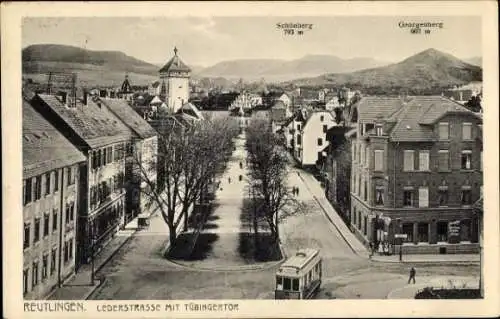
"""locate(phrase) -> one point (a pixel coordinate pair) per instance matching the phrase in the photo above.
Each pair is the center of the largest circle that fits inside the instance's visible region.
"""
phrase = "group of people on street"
(383, 248)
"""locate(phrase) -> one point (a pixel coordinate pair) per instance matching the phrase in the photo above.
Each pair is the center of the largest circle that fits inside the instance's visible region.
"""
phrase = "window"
(27, 191)
(54, 219)
(443, 161)
(443, 197)
(45, 266)
(442, 231)
(444, 131)
(38, 187)
(26, 238)
(299, 139)
(365, 191)
(37, 230)
(423, 197)
(379, 158)
(409, 162)
(423, 161)
(354, 216)
(53, 258)
(25, 281)
(320, 141)
(98, 158)
(47, 183)
(408, 198)
(110, 154)
(466, 131)
(379, 130)
(104, 156)
(481, 161)
(325, 128)
(34, 276)
(70, 253)
(56, 180)
(287, 283)
(66, 252)
(295, 284)
(46, 221)
(321, 118)
(423, 232)
(298, 127)
(365, 225)
(379, 195)
(465, 196)
(408, 230)
(466, 159)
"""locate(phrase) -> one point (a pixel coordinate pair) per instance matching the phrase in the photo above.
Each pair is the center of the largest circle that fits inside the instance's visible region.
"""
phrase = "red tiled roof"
(44, 147)
(131, 118)
(96, 125)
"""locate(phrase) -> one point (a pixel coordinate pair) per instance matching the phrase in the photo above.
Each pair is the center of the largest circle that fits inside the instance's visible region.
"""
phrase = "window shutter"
(423, 197)
(423, 161)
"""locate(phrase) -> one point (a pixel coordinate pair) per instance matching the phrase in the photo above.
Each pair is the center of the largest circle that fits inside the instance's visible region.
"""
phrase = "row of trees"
(267, 178)
(189, 157)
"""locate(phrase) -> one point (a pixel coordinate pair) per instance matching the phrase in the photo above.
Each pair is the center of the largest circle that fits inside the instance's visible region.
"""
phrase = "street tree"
(188, 154)
(268, 177)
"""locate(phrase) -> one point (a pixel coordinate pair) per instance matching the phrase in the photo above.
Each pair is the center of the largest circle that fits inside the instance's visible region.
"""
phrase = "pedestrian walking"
(241, 165)
(371, 250)
(229, 180)
(297, 190)
(412, 275)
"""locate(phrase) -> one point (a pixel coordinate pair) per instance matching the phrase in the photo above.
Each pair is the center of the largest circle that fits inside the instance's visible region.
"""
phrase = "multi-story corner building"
(309, 135)
(416, 171)
(336, 169)
(105, 141)
(51, 173)
(140, 170)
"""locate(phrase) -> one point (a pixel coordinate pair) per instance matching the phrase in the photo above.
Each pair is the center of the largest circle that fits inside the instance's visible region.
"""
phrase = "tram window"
(287, 284)
(295, 284)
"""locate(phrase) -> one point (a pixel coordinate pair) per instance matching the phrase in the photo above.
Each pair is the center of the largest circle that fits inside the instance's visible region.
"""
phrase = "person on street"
(297, 191)
(229, 180)
(371, 250)
(241, 165)
(412, 275)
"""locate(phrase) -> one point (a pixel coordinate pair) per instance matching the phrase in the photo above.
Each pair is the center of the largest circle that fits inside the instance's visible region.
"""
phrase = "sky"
(204, 41)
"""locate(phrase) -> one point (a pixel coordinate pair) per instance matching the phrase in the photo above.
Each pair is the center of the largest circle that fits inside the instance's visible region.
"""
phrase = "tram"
(299, 277)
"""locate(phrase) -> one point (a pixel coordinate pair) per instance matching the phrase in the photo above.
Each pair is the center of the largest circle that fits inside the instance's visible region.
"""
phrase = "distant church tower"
(174, 78)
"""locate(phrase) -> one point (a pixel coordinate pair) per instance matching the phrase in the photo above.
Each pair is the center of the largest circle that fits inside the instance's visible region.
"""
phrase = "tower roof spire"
(175, 50)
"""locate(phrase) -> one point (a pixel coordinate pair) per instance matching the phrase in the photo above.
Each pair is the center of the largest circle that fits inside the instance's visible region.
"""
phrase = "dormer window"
(379, 130)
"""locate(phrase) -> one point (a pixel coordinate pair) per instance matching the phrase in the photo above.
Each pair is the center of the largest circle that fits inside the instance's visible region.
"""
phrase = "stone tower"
(175, 78)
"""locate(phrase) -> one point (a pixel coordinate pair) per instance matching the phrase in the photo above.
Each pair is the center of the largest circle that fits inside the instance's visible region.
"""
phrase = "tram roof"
(298, 262)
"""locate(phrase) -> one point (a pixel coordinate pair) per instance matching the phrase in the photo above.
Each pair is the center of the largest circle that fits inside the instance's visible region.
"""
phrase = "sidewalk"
(417, 258)
(410, 290)
(319, 195)
(79, 287)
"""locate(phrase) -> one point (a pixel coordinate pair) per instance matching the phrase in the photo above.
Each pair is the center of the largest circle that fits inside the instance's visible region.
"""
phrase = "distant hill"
(475, 61)
(426, 72)
(93, 67)
(282, 70)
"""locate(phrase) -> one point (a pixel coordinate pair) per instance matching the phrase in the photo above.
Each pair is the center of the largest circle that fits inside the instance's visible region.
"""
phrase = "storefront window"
(423, 232)
(408, 230)
(442, 231)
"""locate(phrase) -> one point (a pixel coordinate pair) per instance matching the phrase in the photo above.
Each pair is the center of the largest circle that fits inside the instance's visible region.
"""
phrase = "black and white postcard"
(250, 159)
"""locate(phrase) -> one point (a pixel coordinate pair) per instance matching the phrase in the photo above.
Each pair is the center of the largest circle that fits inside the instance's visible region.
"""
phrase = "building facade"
(105, 141)
(51, 173)
(416, 171)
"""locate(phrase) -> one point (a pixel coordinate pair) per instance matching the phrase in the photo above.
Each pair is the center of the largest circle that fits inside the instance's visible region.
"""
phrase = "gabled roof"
(175, 64)
(44, 147)
(156, 100)
(192, 110)
(95, 124)
(371, 108)
(131, 118)
(414, 120)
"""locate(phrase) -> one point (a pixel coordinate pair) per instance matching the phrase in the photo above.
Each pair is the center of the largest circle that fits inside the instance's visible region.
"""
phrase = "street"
(139, 270)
